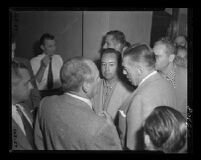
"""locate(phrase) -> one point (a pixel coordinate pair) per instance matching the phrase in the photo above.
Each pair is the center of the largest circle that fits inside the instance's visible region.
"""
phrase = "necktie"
(50, 76)
(27, 126)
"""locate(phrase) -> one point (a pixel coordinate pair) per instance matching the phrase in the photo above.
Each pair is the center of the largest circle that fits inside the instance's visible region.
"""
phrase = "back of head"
(118, 36)
(46, 36)
(170, 48)
(167, 129)
(74, 72)
(141, 53)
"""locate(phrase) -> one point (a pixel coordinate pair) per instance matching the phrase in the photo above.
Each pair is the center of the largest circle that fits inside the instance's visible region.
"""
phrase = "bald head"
(76, 71)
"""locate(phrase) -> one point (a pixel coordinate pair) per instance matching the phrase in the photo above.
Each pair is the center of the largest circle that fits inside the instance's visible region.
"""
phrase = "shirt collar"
(149, 75)
(87, 101)
(106, 84)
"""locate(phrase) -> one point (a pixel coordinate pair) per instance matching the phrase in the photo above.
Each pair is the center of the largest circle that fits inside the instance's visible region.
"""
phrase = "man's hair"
(118, 36)
(167, 42)
(46, 36)
(141, 53)
(167, 129)
(74, 72)
(111, 50)
(16, 75)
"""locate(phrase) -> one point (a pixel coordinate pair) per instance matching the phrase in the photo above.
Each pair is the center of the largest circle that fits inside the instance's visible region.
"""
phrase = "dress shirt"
(17, 117)
(87, 101)
(57, 63)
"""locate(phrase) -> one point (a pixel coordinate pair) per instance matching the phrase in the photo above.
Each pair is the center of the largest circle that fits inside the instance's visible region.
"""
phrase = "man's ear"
(171, 58)
(85, 87)
(42, 47)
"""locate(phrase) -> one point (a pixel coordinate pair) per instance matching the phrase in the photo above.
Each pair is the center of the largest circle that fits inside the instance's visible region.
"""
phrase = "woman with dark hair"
(165, 129)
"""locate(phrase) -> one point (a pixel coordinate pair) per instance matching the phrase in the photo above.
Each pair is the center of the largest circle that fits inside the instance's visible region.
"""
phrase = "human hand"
(45, 61)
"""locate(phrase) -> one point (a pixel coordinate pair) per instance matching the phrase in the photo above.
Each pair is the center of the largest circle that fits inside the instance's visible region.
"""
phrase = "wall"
(136, 26)
(67, 28)
(65, 25)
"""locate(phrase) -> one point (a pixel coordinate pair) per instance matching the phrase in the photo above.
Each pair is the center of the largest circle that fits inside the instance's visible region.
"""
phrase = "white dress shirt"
(87, 101)
(17, 117)
(57, 63)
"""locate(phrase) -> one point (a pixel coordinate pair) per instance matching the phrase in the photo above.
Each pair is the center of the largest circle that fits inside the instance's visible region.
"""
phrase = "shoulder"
(37, 58)
(181, 71)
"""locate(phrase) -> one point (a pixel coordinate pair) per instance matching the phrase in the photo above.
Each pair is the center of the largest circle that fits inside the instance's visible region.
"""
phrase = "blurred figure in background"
(181, 41)
(181, 56)
(164, 51)
(33, 101)
(46, 67)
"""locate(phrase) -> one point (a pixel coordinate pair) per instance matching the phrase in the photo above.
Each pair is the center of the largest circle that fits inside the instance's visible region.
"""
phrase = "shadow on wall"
(36, 48)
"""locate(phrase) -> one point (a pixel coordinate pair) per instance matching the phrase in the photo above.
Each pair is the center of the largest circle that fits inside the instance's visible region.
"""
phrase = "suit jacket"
(66, 123)
(34, 100)
(118, 96)
(181, 89)
(154, 91)
(19, 139)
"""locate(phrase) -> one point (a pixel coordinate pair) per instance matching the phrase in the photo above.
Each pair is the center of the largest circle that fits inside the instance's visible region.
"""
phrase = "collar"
(106, 84)
(87, 101)
(149, 75)
(170, 76)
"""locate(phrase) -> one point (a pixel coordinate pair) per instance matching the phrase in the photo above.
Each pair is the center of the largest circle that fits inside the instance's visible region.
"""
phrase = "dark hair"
(140, 53)
(46, 36)
(118, 36)
(15, 70)
(111, 50)
(74, 72)
(170, 48)
(167, 129)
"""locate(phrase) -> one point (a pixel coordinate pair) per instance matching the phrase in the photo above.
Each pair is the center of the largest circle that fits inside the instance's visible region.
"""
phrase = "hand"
(45, 61)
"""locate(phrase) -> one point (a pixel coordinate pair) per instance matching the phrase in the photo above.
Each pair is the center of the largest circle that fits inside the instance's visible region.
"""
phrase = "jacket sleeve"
(134, 122)
(38, 138)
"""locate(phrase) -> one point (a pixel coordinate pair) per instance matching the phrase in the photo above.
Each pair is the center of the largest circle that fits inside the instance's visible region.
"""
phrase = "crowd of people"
(138, 104)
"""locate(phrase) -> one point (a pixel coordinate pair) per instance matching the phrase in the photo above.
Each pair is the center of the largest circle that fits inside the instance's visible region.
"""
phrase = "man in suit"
(112, 91)
(33, 101)
(152, 91)
(22, 121)
(176, 75)
(67, 122)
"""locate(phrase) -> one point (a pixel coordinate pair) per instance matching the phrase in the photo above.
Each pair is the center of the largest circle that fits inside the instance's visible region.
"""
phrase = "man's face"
(162, 59)
(109, 66)
(131, 71)
(21, 90)
(49, 46)
(110, 42)
(93, 85)
(180, 41)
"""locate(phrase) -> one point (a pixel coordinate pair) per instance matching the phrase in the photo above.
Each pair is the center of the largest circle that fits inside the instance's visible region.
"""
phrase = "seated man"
(46, 66)
(67, 122)
(22, 121)
(165, 129)
(111, 92)
(33, 101)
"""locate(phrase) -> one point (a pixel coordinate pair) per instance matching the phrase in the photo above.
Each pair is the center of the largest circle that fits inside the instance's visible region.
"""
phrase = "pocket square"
(122, 113)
